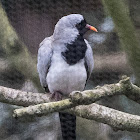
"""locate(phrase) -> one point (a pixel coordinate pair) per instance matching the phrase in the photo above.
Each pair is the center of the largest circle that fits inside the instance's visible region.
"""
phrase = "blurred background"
(25, 23)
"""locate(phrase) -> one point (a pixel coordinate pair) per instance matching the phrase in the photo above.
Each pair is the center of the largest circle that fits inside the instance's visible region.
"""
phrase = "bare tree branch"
(21, 98)
(117, 119)
(77, 98)
(18, 97)
(123, 87)
(114, 118)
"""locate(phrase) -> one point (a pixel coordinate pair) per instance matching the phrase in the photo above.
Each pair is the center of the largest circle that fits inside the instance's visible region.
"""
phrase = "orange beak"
(91, 28)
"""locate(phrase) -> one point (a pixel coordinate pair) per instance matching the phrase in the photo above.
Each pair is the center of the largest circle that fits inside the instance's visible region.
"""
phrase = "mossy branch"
(114, 118)
(83, 98)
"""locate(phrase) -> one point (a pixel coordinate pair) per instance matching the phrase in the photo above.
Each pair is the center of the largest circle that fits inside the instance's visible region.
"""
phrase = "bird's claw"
(57, 96)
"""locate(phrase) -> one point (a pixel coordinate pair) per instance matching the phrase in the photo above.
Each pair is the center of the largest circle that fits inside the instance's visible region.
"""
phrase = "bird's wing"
(44, 59)
(89, 61)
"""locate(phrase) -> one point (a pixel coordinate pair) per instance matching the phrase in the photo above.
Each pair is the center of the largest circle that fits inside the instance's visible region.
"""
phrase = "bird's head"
(68, 27)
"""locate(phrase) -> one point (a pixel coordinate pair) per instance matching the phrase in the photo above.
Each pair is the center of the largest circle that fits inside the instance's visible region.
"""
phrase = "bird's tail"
(68, 126)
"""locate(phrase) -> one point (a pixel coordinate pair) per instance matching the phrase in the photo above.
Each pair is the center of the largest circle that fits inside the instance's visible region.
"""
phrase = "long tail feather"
(68, 126)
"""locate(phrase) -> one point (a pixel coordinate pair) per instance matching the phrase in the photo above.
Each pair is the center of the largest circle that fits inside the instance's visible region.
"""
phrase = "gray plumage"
(56, 73)
(53, 69)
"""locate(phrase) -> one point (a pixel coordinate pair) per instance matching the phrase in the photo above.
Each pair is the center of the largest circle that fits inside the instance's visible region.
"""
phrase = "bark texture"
(116, 119)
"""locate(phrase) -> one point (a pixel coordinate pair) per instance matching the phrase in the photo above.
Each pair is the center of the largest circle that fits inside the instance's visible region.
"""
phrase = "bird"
(65, 63)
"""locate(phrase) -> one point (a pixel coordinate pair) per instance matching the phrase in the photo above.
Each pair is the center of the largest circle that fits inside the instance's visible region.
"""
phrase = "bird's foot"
(46, 89)
(57, 96)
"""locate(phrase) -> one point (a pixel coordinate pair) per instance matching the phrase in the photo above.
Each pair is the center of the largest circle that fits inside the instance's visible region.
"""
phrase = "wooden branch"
(123, 87)
(22, 98)
(43, 109)
(82, 98)
(114, 118)
(17, 97)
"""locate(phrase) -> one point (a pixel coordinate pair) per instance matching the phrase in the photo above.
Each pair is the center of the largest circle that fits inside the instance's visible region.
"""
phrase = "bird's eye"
(81, 25)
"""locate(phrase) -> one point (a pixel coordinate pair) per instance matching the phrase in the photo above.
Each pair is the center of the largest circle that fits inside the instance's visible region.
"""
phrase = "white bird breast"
(65, 78)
